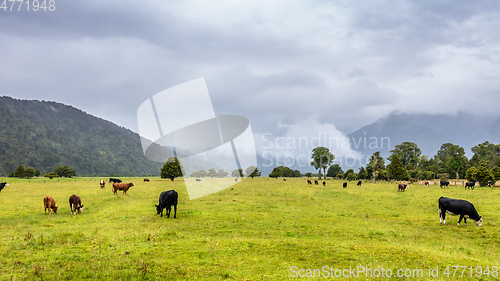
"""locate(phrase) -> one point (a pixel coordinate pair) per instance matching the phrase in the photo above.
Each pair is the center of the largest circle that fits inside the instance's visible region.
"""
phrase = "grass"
(261, 229)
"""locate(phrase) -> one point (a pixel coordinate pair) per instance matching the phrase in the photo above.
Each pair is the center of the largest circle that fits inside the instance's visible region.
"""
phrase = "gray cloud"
(275, 63)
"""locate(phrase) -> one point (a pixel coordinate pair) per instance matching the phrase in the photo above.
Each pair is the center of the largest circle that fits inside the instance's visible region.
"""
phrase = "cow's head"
(158, 209)
(80, 209)
(55, 209)
(479, 222)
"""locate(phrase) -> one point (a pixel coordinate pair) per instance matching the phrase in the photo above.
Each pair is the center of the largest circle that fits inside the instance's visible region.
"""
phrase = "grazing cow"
(235, 179)
(102, 183)
(324, 183)
(198, 179)
(121, 186)
(490, 183)
(458, 207)
(49, 203)
(113, 180)
(444, 183)
(470, 185)
(309, 182)
(344, 185)
(402, 187)
(284, 179)
(426, 183)
(146, 180)
(75, 203)
(359, 183)
(166, 200)
(3, 184)
(316, 182)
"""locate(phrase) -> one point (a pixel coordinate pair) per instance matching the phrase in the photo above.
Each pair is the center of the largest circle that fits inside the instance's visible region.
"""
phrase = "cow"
(426, 183)
(444, 183)
(470, 185)
(146, 180)
(344, 185)
(324, 183)
(49, 203)
(121, 186)
(166, 200)
(198, 179)
(316, 182)
(402, 187)
(359, 183)
(284, 179)
(75, 204)
(458, 207)
(490, 183)
(102, 183)
(113, 180)
(3, 184)
(309, 182)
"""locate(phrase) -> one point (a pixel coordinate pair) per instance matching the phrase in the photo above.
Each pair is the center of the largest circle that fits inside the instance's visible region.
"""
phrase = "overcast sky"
(339, 65)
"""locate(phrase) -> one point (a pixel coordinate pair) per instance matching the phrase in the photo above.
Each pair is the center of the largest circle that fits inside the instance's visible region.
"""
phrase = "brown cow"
(402, 187)
(102, 183)
(75, 203)
(121, 186)
(309, 182)
(49, 203)
(426, 183)
(146, 180)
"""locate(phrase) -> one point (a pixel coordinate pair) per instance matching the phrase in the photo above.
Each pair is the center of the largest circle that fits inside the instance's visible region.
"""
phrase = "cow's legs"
(168, 211)
(460, 219)
(442, 216)
(175, 211)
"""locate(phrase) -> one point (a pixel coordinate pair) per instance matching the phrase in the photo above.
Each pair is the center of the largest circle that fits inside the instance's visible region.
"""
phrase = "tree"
(362, 173)
(396, 170)
(322, 159)
(277, 172)
(308, 174)
(483, 175)
(252, 172)
(486, 151)
(350, 175)
(451, 159)
(470, 174)
(51, 175)
(171, 169)
(222, 174)
(408, 153)
(65, 171)
(199, 174)
(212, 173)
(20, 172)
(237, 173)
(376, 164)
(334, 171)
(496, 172)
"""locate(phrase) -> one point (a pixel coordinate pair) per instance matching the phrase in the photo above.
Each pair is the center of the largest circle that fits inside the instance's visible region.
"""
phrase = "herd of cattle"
(166, 200)
(169, 198)
(454, 207)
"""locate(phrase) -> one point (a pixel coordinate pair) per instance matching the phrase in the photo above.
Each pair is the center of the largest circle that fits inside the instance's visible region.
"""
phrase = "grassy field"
(261, 229)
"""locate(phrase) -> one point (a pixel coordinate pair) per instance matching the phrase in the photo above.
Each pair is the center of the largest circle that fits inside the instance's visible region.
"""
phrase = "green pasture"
(259, 229)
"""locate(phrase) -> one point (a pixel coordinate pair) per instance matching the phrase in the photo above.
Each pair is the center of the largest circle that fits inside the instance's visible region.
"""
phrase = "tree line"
(406, 162)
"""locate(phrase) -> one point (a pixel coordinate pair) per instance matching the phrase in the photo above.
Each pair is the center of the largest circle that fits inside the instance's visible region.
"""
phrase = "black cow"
(3, 184)
(316, 182)
(113, 180)
(198, 179)
(402, 187)
(166, 200)
(359, 183)
(344, 185)
(444, 183)
(490, 184)
(470, 185)
(324, 183)
(458, 207)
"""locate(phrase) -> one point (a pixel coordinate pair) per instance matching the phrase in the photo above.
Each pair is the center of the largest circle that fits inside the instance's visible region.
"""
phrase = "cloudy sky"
(288, 66)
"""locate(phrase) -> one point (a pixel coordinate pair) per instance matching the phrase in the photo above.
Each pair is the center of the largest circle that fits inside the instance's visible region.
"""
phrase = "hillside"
(429, 132)
(45, 135)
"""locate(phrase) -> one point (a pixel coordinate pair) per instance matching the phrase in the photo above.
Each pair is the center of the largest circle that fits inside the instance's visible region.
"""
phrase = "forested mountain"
(44, 135)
